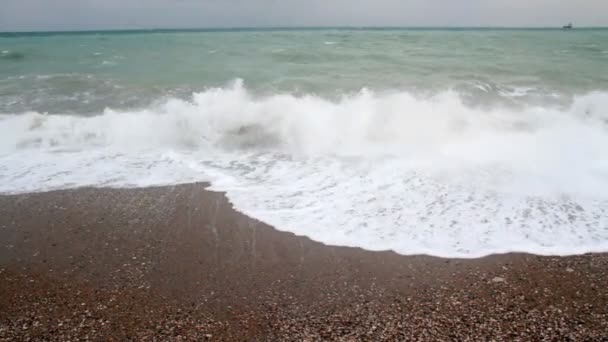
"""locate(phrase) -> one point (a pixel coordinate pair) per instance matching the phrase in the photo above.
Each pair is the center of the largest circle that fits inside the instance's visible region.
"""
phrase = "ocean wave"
(380, 171)
(388, 123)
(12, 55)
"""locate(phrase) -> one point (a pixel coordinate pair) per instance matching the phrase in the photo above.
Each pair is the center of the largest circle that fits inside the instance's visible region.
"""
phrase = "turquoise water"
(457, 143)
(80, 73)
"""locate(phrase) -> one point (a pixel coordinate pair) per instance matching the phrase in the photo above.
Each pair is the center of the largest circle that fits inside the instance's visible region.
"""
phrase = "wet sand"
(178, 263)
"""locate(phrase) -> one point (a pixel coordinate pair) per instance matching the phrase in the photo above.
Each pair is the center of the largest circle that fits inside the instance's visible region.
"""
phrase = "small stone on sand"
(498, 280)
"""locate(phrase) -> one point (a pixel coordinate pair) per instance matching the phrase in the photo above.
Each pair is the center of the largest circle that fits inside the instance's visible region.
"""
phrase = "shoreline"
(179, 263)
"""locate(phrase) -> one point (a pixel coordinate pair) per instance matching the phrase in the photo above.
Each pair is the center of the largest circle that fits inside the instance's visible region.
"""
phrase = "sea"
(447, 142)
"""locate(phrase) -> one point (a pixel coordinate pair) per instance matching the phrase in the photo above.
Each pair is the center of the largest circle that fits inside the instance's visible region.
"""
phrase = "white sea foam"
(378, 171)
(517, 92)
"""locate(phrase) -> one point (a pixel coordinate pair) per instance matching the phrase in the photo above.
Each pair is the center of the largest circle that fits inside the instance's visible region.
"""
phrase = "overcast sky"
(28, 15)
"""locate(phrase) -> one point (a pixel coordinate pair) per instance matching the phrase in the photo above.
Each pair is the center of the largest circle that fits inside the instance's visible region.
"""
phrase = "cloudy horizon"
(37, 15)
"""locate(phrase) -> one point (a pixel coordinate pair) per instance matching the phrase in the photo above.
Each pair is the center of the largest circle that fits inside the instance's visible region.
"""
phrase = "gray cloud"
(16, 15)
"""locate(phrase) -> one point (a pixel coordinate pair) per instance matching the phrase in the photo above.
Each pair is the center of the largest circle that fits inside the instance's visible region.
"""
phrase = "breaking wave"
(381, 171)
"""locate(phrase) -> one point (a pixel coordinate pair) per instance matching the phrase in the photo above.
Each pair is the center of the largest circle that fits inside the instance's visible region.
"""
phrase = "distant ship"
(567, 27)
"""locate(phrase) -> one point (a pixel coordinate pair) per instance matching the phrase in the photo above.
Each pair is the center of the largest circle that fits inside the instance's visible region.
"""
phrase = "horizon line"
(292, 28)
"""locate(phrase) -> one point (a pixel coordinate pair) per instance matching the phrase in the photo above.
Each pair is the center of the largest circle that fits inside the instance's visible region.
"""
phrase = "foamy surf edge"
(377, 171)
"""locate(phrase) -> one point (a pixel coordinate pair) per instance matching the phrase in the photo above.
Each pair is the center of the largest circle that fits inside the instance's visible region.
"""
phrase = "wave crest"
(374, 170)
(439, 133)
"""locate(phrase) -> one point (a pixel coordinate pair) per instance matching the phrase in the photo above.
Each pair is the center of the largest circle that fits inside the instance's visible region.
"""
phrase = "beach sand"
(178, 263)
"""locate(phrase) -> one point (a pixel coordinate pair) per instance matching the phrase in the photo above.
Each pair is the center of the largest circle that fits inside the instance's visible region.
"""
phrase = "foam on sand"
(378, 171)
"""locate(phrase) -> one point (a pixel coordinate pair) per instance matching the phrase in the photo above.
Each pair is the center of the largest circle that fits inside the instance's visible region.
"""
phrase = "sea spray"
(378, 170)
